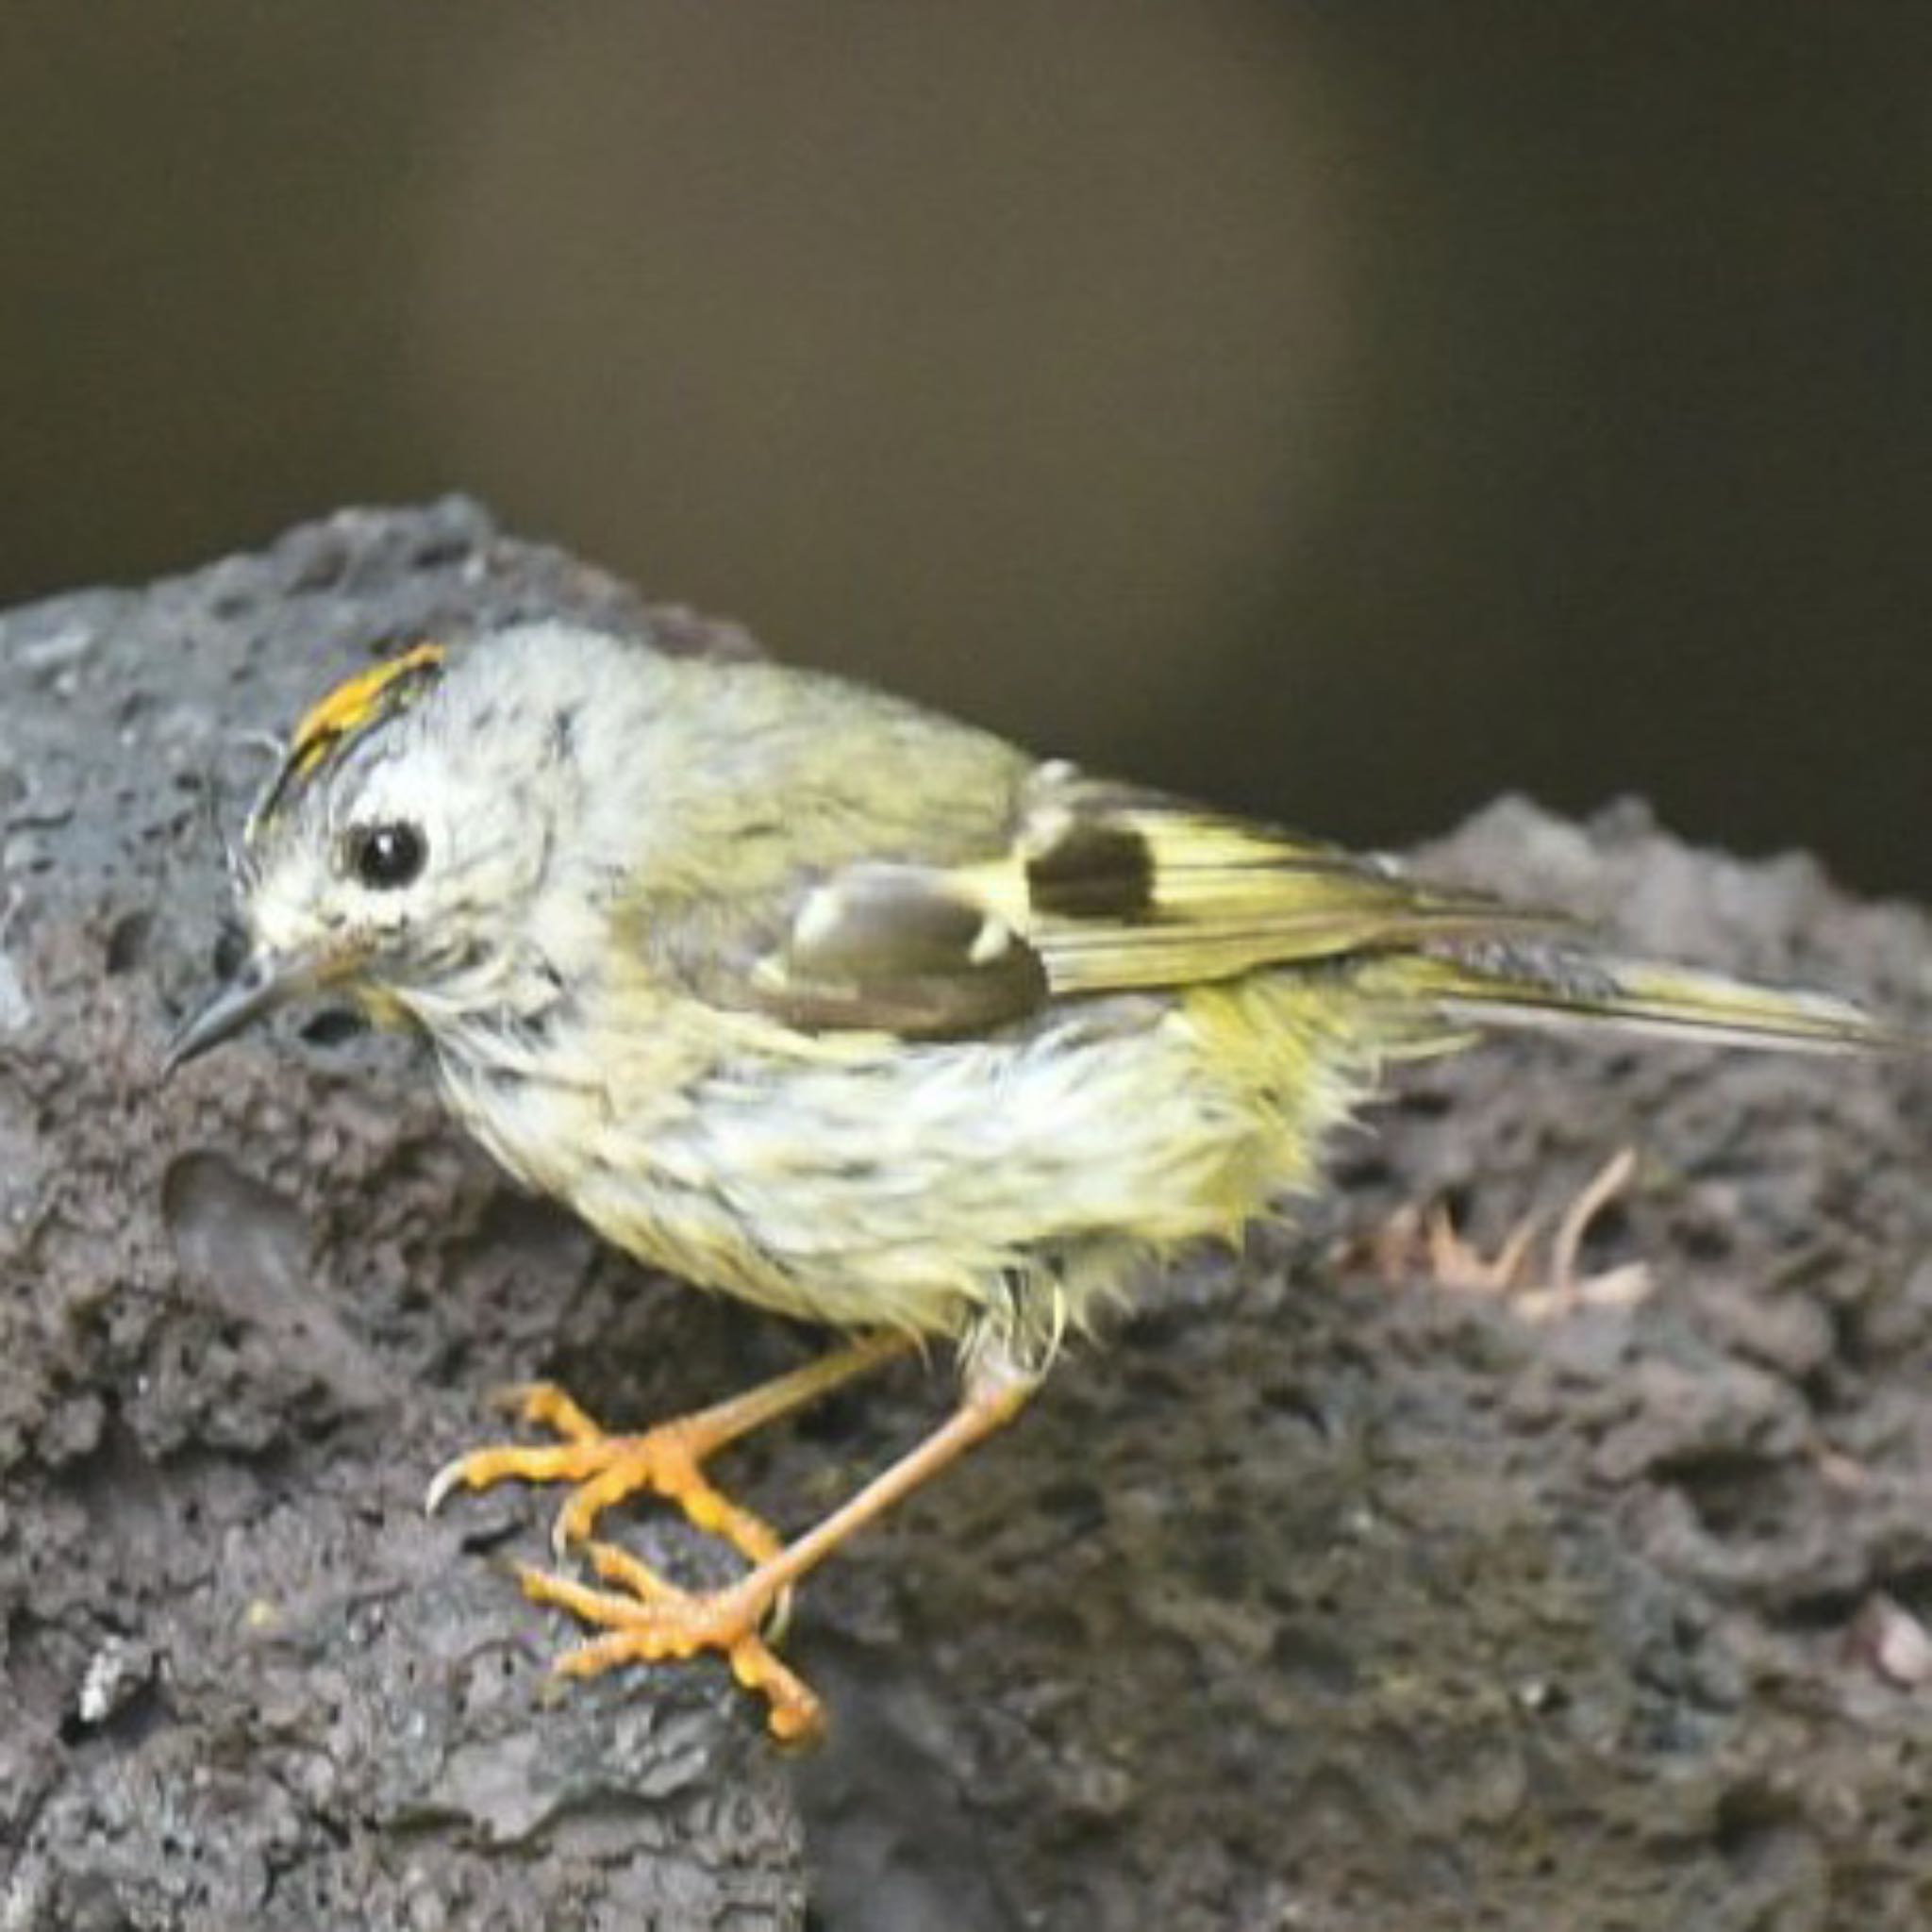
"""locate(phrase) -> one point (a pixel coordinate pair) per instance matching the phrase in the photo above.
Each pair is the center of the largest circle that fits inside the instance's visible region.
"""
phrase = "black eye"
(385, 856)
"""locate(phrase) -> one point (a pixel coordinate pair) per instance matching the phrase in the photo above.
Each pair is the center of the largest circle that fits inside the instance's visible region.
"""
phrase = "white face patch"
(458, 776)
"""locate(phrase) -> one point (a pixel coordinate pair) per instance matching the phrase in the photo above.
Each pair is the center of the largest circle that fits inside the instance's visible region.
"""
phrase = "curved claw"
(542, 1405)
(450, 1476)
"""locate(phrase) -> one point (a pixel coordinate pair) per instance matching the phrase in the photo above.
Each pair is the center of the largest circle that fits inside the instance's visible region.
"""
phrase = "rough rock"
(1321, 1596)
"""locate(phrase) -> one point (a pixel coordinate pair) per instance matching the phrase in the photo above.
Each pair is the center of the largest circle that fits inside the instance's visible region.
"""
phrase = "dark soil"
(1315, 1599)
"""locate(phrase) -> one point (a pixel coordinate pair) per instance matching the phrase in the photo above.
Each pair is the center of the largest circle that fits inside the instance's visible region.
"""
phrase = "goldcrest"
(810, 995)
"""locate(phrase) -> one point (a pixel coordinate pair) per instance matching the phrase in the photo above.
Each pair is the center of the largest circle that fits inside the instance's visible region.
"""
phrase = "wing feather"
(1101, 889)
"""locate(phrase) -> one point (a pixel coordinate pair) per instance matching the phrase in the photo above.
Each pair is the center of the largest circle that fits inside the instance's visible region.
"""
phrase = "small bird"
(807, 994)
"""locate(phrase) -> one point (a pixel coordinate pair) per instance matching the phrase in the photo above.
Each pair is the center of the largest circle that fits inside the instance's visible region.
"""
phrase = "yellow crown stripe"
(357, 703)
(352, 708)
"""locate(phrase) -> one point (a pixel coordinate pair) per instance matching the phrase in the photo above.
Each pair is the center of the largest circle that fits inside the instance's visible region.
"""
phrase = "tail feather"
(1558, 988)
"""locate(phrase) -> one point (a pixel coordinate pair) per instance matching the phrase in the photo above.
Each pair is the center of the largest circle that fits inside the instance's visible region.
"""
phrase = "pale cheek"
(307, 913)
(283, 921)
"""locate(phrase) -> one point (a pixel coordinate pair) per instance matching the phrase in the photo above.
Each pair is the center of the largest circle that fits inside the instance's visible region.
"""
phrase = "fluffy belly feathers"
(942, 1185)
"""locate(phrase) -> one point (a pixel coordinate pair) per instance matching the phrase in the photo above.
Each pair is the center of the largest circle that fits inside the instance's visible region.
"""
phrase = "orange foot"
(665, 1461)
(655, 1619)
(647, 1620)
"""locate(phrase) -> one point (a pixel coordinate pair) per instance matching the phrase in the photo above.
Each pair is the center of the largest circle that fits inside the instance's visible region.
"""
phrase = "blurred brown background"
(1345, 410)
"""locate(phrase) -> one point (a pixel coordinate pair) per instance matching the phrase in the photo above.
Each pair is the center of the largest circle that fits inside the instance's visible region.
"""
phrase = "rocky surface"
(1323, 1596)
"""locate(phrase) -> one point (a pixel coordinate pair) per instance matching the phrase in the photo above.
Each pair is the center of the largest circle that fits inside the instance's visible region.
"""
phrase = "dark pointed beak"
(263, 983)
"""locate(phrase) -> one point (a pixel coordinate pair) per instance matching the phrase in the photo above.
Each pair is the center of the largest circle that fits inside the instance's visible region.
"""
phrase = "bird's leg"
(667, 1460)
(645, 1618)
